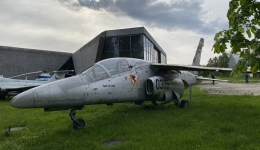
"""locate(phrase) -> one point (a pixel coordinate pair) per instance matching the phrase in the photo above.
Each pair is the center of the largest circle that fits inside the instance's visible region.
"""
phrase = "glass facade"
(137, 46)
(124, 46)
(133, 46)
(111, 49)
(163, 59)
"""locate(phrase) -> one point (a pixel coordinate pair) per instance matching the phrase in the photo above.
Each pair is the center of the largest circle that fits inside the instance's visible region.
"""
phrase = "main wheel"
(184, 104)
(79, 124)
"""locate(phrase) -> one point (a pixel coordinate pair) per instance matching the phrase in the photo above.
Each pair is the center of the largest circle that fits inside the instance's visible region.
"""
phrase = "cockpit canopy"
(109, 67)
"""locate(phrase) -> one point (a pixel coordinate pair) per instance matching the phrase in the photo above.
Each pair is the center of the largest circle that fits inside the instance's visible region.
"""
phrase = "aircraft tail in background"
(196, 59)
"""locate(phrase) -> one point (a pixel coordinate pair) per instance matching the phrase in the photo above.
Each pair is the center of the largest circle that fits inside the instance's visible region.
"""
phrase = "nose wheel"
(78, 123)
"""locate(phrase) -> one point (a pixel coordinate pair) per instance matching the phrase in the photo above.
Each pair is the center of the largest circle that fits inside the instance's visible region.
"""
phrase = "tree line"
(221, 61)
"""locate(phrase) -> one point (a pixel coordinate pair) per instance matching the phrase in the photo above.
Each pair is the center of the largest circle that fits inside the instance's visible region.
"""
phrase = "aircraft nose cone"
(23, 100)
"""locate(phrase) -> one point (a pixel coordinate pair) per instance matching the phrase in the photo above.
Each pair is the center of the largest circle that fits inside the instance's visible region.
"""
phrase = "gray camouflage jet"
(9, 86)
(114, 80)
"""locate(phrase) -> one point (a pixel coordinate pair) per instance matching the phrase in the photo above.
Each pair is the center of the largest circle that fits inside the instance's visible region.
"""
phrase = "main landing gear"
(155, 105)
(78, 123)
(184, 104)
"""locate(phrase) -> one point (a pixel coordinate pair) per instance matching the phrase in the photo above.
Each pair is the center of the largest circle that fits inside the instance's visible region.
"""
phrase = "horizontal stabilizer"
(210, 79)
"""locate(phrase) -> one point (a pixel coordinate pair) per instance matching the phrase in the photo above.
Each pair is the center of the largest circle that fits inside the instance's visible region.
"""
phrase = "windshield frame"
(87, 70)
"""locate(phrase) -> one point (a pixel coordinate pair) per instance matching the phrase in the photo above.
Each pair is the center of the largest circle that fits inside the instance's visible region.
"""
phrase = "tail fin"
(57, 75)
(196, 59)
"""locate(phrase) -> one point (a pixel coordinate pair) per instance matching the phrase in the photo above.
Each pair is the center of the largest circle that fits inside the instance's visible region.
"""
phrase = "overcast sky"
(66, 25)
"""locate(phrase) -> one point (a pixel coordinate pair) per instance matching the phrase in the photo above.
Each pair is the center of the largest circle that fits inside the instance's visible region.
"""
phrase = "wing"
(210, 79)
(20, 89)
(14, 90)
(188, 67)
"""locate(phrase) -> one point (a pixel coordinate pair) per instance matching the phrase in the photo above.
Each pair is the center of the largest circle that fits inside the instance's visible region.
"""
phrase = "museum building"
(130, 42)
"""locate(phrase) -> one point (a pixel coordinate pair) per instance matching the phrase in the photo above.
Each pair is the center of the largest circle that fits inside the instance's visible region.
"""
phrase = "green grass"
(211, 122)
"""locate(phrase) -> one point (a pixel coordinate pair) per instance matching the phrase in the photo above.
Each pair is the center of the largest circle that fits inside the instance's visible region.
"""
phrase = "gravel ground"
(225, 88)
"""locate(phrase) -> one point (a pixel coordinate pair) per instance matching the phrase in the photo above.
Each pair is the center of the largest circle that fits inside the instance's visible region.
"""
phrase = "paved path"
(225, 88)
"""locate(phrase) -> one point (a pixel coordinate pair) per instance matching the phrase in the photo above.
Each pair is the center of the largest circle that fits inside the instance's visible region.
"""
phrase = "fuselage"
(109, 81)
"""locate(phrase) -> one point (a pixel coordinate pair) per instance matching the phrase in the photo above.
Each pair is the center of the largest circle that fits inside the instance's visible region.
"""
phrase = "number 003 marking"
(162, 84)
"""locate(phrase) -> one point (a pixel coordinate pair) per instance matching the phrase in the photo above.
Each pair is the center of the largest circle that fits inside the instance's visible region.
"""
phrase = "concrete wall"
(15, 61)
(86, 56)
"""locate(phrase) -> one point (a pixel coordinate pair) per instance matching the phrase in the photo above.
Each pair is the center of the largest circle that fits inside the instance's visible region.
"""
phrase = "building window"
(155, 56)
(124, 53)
(137, 46)
(0, 66)
(134, 46)
(124, 46)
(163, 59)
(124, 43)
(111, 48)
(148, 49)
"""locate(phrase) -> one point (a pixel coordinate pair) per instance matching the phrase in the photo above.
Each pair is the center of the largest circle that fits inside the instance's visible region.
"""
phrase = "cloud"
(169, 15)
(67, 25)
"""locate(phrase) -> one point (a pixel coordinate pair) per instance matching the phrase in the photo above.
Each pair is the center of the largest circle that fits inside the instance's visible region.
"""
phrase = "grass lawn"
(211, 122)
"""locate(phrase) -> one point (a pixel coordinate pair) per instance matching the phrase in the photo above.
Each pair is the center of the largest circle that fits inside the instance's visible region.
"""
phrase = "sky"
(67, 25)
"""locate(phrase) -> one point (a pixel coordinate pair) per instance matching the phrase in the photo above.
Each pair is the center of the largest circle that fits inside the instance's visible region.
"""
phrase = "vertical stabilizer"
(196, 59)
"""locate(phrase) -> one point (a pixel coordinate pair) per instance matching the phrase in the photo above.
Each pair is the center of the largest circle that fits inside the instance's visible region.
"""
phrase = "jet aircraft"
(10, 86)
(115, 80)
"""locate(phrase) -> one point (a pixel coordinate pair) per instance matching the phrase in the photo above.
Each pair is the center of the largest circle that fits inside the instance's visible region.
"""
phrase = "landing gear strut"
(78, 123)
(155, 105)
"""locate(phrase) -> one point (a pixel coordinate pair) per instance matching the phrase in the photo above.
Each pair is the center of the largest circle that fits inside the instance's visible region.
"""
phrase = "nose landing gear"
(78, 123)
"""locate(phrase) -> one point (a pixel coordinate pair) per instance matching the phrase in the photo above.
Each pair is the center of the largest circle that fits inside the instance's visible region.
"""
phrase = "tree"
(223, 60)
(243, 34)
(210, 63)
(220, 61)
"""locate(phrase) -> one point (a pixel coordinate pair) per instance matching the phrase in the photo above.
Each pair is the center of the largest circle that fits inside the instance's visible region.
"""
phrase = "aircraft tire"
(184, 104)
(80, 124)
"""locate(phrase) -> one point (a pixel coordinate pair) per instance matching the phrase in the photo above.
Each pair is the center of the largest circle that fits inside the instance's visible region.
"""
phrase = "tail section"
(57, 75)
(196, 59)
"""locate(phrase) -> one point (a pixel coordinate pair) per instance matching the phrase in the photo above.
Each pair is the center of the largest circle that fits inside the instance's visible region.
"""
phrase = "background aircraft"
(43, 77)
(10, 86)
(197, 56)
(114, 80)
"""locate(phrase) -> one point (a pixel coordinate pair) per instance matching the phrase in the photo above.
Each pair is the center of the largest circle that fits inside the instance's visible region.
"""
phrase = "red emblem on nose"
(134, 79)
